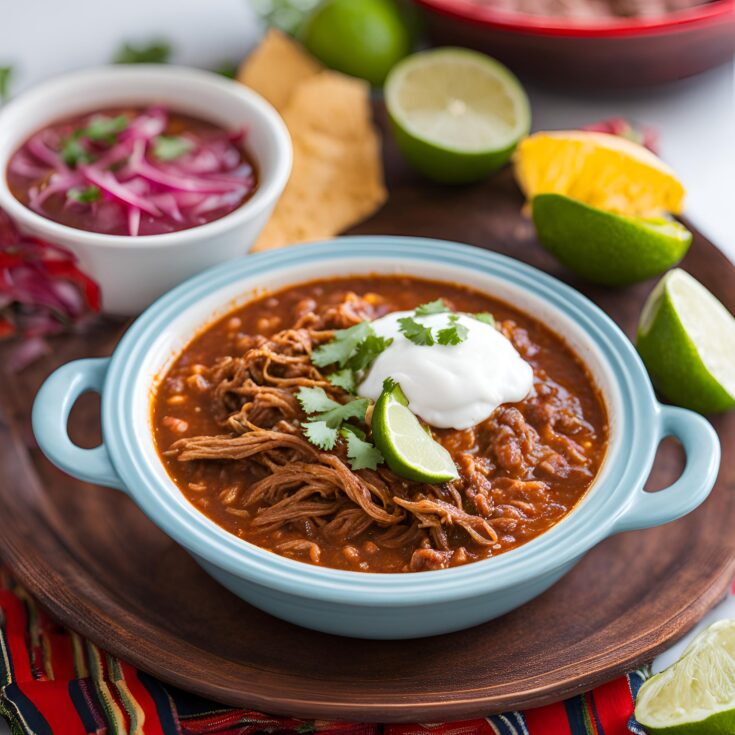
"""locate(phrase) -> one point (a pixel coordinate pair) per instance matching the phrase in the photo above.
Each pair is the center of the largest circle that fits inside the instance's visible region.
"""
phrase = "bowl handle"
(702, 449)
(51, 410)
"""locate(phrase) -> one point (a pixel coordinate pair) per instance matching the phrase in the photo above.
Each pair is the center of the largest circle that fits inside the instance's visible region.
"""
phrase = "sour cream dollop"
(449, 386)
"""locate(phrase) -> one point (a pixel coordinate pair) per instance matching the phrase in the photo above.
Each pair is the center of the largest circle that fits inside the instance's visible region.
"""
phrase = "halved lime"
(408, 448)
(457, 114)
(686, 338)
(696, 695)
(604, 247)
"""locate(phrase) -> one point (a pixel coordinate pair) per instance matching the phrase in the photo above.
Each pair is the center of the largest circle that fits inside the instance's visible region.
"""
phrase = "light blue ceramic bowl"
(378, 605)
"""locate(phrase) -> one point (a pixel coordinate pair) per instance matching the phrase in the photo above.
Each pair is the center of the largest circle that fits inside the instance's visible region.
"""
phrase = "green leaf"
(6, 72)
(104, 129)
(368, 350)
(227, 69)
(453, 334)
(73, 151)
(486, 317)
(171, 147)
(342, 347)
(84, 194)
(315, 400)
(319, 434)
(156, 52)
(353, 410)
(361, 454)
(433, 307)
(415, 332)
(344, 379)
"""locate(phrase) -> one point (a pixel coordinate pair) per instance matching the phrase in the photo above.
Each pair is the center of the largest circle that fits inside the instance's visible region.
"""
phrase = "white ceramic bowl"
(133, 271)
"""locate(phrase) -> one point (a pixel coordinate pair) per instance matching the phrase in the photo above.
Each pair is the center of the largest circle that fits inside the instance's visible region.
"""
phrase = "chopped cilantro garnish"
(342, 347)
(362, 454)
(6, 72)
(104, 129)
(319, 434)
(367, 351)
(327, 422)
(433, 307)
(454, 333)
(84, 194)
(344, 379)
(227, 69)
(415, 332)
(157, 52)
(486, 317)
(171, 147)
(73, 151)
(316, 401)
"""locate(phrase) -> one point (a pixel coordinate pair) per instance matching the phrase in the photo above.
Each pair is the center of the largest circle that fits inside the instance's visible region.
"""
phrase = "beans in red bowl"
(133, 171)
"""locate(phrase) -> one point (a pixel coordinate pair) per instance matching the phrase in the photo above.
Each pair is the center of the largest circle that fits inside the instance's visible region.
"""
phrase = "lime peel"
(409, 450)
(686, 339)
(696, 695)
(604, 247)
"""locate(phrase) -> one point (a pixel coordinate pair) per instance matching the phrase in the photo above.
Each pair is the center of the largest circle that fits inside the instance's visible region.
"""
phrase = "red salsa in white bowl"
(133, 171)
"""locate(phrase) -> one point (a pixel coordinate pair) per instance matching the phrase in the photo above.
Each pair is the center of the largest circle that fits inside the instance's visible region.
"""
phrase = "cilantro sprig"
(84, 194)
(171, 147)
(328, 420)
(453, 334)
(415, 332)
(100, 129)
(352, 350)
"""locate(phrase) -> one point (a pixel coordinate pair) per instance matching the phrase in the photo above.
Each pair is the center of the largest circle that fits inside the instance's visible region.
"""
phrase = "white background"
(696, 118)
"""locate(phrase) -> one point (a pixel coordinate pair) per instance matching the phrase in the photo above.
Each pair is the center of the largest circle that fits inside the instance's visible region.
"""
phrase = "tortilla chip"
(337, 177)
(276, 68)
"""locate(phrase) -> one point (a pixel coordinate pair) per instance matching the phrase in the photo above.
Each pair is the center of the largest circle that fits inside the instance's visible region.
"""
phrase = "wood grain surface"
(98, 564)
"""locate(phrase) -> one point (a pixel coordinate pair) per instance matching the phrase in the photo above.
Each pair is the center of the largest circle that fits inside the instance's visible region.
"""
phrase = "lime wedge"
(408, 448)
(695, 696)
(607, 248)
(457, 114)
(686, 338)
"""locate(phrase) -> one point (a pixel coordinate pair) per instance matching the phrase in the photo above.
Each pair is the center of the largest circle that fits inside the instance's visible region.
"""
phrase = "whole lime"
(363, 38)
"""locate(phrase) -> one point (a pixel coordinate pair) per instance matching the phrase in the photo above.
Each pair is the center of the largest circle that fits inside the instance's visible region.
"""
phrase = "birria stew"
(133, 171)
(267, 423)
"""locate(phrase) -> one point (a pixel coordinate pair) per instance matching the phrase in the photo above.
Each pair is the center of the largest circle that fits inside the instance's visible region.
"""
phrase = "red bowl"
(615, 52)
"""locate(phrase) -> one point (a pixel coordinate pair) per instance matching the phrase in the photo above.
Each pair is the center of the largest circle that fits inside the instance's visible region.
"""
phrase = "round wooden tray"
(98, 564)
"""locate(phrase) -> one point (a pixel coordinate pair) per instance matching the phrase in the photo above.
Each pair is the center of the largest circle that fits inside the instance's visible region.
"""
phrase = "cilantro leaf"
(104, 129)
(6, 72)
(73, 151)
(415, 332)
(361, 454)
(368, 350)
(315, 400)
(455, 333)
(486, 317)
(433, 307)
(84, 194)
(319, 434)
(227, 69)
(171, 147)
(343, 346)
(353, 410)
(157, 52)
(344, 379)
